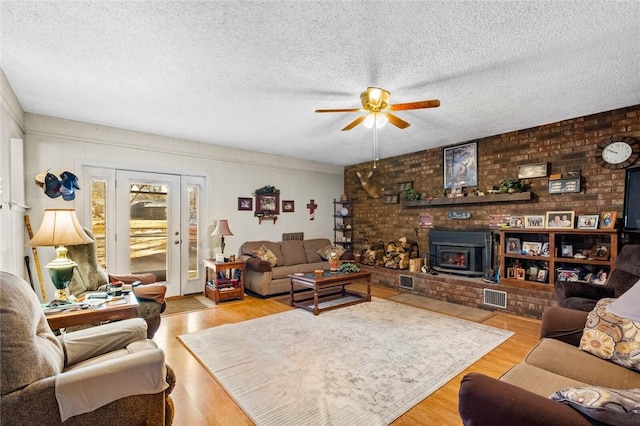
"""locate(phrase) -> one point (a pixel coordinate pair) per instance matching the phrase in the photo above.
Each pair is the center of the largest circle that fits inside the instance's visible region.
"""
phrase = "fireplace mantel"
(490, 198)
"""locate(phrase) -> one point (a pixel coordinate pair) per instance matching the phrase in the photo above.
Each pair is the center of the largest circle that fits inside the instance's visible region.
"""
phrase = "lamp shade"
(222, 228)
(59, 227)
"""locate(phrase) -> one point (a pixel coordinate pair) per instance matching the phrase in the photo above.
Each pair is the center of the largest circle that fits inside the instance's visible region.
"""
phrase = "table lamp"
(222, 229)
(60, 227)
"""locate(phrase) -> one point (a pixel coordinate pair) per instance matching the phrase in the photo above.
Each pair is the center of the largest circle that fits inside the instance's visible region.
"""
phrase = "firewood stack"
(398, 255)
(373, 255)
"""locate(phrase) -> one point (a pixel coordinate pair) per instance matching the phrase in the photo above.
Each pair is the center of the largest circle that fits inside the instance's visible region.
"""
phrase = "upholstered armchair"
(583, 297)
(108, 374)
(90, 276)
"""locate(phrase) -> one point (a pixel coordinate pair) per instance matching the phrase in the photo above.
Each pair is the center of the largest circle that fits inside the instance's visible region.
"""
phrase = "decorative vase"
(334, 260)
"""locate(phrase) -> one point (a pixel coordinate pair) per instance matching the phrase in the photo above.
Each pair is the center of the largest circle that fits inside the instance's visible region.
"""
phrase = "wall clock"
(617, 152)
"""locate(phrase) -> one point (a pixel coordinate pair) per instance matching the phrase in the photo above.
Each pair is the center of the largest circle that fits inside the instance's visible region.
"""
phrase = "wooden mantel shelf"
(490, 198)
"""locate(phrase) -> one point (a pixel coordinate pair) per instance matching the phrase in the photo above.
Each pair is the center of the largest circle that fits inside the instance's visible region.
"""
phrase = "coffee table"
(109, 311)
(328, 287)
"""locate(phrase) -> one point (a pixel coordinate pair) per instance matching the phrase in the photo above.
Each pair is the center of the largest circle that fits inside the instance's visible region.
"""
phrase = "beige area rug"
(364, 364)
(453, 309)
(184, 304)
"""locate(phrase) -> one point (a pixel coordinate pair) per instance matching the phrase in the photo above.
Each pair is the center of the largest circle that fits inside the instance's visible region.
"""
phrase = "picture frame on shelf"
(601, 252)
(600, 276)
(461, 165)
(288, 206)
(245, 204)
(513, 245)
(560, 219)
(516, 222)
(588, 221)
(520, 274)
(544, 251)
(566, 250)
(511, 273)
(267, 204)
(534, 221)
(532, 248)
(543, 275)
(608, 220)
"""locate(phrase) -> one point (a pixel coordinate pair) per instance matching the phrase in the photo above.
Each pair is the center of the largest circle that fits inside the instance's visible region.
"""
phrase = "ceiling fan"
(375, 102)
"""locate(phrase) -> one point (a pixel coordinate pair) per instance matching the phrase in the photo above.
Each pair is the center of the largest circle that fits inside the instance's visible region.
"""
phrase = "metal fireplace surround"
(463, 252)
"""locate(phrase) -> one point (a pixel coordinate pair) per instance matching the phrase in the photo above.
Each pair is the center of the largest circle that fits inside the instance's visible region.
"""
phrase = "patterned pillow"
(267, 255)
(325, 252)
(610, 406)
(611, 337)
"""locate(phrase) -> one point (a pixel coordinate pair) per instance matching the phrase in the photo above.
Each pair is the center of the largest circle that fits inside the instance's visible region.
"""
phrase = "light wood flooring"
(200, 400)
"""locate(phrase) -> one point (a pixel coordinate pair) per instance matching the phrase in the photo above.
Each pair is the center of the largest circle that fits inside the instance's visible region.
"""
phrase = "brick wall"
(566, 145)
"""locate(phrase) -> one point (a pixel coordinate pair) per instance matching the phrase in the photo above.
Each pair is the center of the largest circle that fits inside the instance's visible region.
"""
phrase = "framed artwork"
(245, 203)
(600, 252)
(267, 204)
(567, 250)
(516, 222)
(560, 219)
(511, 272)
(544, 251)
(526, 171)
(520, 272)
(542, 276)
(461, 165)
(561, 186)
(532, 248)
(288, 206)
(608, 220)
(588, 221)
(513, 245)
(534, 221)
(599, 277)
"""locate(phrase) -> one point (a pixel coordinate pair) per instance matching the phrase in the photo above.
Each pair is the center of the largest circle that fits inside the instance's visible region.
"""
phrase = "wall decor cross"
(312, 206)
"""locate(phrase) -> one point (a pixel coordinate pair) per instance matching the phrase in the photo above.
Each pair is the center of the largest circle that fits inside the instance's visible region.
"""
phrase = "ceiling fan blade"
(396, 121)
(339, 110)
(354, 123)
(415, 105)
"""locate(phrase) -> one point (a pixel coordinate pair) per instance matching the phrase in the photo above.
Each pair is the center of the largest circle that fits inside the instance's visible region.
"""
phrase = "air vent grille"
(495, 298)
(405, 281)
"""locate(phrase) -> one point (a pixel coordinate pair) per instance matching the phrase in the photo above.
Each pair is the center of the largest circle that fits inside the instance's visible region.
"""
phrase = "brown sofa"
(521, 395)
(292, 257)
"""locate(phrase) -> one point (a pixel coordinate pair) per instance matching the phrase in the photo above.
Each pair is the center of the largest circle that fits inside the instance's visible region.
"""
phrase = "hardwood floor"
(200, 400)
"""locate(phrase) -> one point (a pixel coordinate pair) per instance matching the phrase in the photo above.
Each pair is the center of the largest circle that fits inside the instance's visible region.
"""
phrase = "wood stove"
(463, 252)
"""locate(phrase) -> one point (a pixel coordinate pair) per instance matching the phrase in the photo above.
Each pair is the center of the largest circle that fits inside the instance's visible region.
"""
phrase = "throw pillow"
(325, 252)
(609, 406)
(267, 255)
(611, 337)
(626, 306)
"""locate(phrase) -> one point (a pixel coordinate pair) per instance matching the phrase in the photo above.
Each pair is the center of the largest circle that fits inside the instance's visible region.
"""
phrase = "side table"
(226, 282)
(110, 311)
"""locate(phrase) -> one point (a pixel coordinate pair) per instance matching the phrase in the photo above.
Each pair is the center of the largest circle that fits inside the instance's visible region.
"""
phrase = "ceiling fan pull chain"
(375, 140)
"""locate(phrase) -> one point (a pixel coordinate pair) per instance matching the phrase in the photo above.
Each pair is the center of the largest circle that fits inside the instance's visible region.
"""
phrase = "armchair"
(583, 297)
(90, 276)
(109, 374)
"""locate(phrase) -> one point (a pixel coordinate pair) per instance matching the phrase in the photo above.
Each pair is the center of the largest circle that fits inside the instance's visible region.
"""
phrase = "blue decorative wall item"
(55, 187)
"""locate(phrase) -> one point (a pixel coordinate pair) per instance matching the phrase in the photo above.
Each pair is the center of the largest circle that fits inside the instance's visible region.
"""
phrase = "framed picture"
(599, 277)
(567, 250)
(600, 252)
(560, 219)
(461, 165)
(516, 222)
(561, 186)
(534, 221)
(608, 220)
(267, 204)
(513, 245)
(526, 171)
(511, 272)
(520, 273)
(542, 276)
(532, 248)
(544, 251)
(245, 203)
(288, 206)
(588, 221)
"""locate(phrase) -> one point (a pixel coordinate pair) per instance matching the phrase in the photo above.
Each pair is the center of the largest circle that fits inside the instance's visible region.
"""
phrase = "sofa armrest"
(147, 278)
(563, 324)
(91, 342)
(257, 265)
(483, 400)
(155, 292)
(567, 289)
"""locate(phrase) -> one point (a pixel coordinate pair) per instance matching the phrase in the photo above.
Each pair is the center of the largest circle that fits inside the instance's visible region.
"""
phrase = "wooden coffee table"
(109, 311)
(328, 287)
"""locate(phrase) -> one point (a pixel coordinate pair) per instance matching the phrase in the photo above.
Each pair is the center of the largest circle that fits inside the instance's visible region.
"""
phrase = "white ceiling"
(250, 74)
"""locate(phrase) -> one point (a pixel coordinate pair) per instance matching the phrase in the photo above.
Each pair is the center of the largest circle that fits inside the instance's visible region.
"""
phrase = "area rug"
(184, 304)
(364, 364)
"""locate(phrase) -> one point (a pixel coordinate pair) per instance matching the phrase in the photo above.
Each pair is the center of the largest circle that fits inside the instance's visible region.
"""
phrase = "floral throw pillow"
(267, 255)
(609, 406)
(611, 337)
(326, 251)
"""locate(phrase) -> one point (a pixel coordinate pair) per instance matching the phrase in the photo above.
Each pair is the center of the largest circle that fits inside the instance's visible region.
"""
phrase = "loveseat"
(522, 395)
(291, 257)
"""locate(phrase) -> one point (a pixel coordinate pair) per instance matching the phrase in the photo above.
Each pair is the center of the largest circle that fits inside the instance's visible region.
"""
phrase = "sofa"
(522, 395)
(269, 278)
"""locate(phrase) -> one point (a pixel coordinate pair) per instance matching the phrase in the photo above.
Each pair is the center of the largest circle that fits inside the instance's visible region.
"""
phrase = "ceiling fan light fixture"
(375, 99)
(375, 117)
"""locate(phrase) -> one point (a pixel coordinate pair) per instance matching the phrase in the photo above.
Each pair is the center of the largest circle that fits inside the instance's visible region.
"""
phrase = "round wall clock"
(617, 152)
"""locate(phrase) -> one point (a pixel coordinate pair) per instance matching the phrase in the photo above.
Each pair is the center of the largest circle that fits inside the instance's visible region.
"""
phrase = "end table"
(227, 281)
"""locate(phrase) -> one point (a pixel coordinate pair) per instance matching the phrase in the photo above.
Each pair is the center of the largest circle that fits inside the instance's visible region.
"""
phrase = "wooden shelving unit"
(578, 239)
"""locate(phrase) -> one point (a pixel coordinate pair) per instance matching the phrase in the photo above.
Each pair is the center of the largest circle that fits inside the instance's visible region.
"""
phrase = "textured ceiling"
(250, 74)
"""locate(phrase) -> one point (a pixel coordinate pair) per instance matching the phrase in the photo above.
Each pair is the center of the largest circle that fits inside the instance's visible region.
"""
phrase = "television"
(631, 212)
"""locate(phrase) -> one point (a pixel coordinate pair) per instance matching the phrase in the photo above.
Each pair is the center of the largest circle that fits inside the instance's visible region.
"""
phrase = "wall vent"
(495, 298)
(405, 281)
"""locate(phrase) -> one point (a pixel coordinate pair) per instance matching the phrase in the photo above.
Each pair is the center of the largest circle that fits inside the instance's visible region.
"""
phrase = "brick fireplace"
(461, 252)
